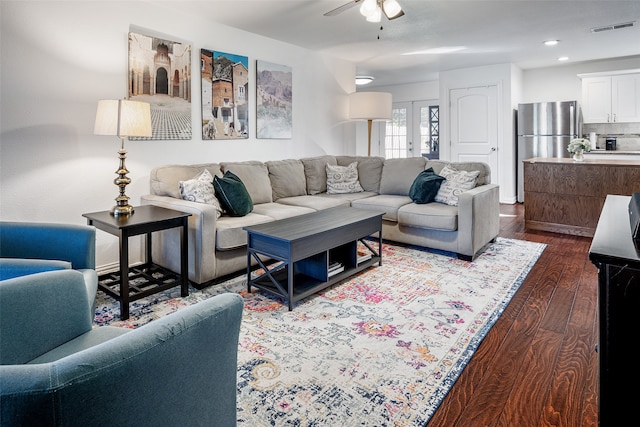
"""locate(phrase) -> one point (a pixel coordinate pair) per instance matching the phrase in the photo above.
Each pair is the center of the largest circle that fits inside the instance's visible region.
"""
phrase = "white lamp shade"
(123, 118)
(391, 8)
(368, 7)
(370, 106)
(376, 16)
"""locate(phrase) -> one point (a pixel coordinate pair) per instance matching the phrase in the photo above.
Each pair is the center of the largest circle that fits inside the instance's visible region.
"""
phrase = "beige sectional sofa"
(285, 188)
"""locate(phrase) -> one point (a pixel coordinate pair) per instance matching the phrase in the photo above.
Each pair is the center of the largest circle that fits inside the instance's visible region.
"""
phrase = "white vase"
(578, 156)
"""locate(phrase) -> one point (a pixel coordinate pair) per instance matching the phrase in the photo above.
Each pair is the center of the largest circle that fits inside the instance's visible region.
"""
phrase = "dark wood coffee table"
(315, 250)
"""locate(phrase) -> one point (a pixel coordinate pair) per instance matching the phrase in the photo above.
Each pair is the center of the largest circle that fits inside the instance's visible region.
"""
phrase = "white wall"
(60, 58)
(562, 83)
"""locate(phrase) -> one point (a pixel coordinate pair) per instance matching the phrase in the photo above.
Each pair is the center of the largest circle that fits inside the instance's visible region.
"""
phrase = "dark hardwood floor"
(538, 365)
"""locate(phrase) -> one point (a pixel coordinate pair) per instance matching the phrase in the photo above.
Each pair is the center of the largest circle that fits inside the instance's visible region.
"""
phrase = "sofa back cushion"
(316, 174)
(287, 178)
(485, 171)
(255, 177)
(369, 170)
(165, 180)
(399, 174)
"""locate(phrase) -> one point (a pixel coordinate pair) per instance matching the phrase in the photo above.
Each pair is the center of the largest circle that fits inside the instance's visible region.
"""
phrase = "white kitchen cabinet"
(611, 98)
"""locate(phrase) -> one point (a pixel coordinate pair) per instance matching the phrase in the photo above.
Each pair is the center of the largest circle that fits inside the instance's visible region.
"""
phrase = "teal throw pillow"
(232, 194)
(425, 186)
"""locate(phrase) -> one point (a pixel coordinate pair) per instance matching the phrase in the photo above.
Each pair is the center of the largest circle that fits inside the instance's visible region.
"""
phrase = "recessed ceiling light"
(563, 58)
(551, 42)
(363, 80)
(437, 50)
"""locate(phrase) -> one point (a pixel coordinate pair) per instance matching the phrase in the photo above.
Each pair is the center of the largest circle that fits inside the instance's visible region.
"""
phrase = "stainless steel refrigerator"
(544, 130)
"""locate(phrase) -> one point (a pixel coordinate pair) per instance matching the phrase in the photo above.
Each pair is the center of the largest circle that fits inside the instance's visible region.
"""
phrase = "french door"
(413, 130)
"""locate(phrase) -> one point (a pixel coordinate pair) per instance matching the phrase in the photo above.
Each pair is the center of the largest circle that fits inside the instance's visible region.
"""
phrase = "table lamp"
(122, 118)
(370, 106)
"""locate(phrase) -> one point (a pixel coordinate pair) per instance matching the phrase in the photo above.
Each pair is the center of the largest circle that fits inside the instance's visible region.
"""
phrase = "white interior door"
(474, 126)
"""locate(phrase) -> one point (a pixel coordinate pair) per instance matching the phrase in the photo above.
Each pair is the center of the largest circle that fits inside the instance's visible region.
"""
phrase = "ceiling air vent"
(613, 27)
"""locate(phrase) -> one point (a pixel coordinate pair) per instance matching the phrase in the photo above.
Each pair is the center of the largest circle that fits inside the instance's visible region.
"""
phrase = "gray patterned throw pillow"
(343, 179)
(456, 182)
(200, 190)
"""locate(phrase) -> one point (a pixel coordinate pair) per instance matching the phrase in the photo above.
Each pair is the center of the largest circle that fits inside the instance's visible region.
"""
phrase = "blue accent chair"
(57, 369)
(32, 247)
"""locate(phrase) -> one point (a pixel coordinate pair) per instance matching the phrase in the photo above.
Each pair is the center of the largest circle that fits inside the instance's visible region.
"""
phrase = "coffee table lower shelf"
(304, 285)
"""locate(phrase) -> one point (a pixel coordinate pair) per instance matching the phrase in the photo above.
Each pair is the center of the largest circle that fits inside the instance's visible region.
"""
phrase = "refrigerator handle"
(572, 121)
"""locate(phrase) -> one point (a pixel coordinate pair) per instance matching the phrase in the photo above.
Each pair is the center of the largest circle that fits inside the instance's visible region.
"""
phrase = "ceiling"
(492, 32)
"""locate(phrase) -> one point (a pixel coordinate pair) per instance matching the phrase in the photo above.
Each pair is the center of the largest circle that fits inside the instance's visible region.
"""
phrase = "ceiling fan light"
(368, 7)
(391, 8)
(363, 80)
(376, 16)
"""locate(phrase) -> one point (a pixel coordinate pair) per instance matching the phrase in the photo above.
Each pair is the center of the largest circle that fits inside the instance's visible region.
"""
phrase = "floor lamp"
(370, 106)
(122, 118)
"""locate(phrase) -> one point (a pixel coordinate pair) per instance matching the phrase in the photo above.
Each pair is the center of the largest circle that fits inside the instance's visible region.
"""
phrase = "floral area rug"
(382, 348)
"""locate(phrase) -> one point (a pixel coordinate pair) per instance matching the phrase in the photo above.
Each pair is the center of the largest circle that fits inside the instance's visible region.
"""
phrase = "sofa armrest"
(478, 218)
(202, 238)
(65, 242)
(183, 363)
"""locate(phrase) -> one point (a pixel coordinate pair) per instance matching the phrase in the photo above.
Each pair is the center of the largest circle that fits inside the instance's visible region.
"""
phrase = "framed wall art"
(160, 74)
(273, 101)
(225, 101)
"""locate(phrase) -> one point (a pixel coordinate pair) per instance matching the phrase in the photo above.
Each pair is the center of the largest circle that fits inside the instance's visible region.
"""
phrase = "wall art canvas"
(225, 101)
(160, 74)
(273, 101)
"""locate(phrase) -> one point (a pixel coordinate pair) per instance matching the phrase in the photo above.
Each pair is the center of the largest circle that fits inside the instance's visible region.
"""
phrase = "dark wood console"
(565, 196)
(617, 258)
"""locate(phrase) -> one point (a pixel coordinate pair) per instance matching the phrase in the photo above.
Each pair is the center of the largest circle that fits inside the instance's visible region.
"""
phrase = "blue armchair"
(31, 247)
(58, 370)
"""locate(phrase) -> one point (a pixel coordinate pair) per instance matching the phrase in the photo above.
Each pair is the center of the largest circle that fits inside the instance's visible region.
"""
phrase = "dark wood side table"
(148, 278)
(617, 257)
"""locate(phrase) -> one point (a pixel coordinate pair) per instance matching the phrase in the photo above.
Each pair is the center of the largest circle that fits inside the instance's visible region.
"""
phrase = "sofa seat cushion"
(434, 216)
(387, 203)
(349, 196)
(280, 211)
(230, 233)
(314, 202)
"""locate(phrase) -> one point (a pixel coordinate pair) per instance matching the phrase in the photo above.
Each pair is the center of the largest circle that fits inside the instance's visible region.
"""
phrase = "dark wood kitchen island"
(566, 196)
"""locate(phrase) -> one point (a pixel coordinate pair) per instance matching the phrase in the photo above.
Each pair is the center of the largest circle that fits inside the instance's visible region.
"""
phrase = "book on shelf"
(335, 268)
(363, 256)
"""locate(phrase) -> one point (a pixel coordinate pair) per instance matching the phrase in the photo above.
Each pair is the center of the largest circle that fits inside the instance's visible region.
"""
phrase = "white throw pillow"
(343, 179)
(456, 182)
(200, 190)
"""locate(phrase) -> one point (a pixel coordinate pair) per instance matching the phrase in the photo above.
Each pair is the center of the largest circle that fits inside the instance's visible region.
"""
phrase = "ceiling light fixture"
(563, 58)
(551, 42)
(373, 9)
(363, 80)
(437, 50)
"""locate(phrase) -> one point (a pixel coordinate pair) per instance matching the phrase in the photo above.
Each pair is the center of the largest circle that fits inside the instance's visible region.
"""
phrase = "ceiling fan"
(372, 9)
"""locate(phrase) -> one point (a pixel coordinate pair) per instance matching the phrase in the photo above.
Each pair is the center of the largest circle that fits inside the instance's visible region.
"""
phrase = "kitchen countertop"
(603, 151)
(586, 161)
